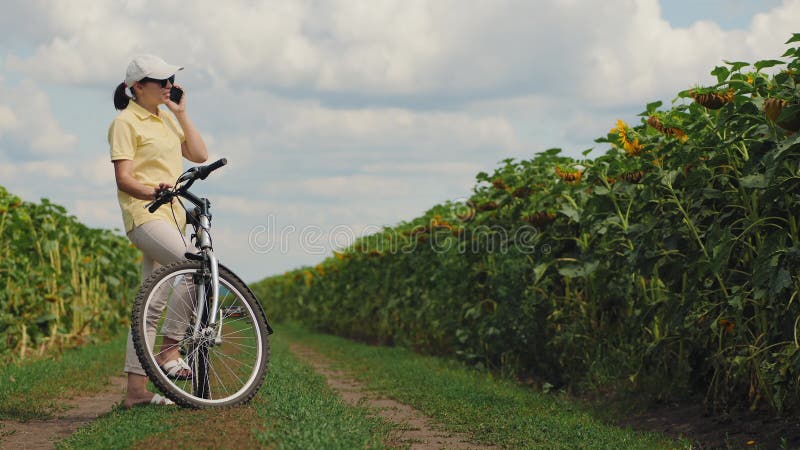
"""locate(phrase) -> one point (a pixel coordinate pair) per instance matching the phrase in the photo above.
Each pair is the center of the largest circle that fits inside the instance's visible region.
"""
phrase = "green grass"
(303, 412)
(294, 409)
(122, 428)
(36, 390)
(491, 410)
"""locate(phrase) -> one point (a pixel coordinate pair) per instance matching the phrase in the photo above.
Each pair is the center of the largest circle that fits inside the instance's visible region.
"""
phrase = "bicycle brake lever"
(188, 175)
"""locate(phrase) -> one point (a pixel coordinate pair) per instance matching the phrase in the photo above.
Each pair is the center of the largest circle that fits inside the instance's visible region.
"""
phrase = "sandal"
(171, 369)
(159, 400)
(156, 400)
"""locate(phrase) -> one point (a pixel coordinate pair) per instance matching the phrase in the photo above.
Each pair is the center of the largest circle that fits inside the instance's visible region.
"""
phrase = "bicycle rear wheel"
(224, 373)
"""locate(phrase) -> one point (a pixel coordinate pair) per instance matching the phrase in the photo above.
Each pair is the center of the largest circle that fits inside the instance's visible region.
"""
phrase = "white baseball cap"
(149, 66)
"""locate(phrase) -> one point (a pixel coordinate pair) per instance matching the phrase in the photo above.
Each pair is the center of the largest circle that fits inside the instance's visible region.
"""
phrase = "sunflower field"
(61, 283)
(668, 266)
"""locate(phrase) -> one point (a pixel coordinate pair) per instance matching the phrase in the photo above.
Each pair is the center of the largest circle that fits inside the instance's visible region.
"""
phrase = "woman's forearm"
(135, 188)
(195, 146)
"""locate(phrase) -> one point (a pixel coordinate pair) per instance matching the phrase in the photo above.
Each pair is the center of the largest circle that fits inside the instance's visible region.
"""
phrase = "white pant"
(161, 244)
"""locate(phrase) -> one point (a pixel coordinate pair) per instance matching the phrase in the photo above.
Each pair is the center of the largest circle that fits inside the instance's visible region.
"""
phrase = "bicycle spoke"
(240, 345)
(239, 331)
(219, 380)
(241, 383)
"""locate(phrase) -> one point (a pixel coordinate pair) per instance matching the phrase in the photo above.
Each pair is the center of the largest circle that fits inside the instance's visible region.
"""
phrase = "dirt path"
(417, 430)
(42, 434)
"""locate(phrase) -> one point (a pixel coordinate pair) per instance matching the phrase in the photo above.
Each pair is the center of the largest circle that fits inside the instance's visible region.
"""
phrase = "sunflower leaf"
(652, 107)
(736, 65)
(767, 63)
(721, 73)
(757, 181)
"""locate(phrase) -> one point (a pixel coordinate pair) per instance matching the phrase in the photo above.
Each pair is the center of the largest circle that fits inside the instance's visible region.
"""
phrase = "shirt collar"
(140, 112)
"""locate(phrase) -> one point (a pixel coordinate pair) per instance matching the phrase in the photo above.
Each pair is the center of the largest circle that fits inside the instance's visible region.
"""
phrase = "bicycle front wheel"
(228, 362)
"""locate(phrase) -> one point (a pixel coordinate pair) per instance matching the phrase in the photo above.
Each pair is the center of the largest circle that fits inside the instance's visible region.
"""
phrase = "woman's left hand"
(177, 107)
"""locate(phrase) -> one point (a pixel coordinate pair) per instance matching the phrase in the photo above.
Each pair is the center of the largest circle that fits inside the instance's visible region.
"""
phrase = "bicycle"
(220, 326)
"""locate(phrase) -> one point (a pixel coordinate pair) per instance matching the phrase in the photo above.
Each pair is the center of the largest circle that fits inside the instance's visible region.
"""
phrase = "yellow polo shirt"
(153, 143)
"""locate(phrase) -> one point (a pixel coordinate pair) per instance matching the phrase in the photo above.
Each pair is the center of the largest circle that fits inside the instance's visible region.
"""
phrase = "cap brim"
(165, 72)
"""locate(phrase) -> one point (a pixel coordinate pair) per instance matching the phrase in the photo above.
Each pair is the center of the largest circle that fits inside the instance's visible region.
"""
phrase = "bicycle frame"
(202, 225)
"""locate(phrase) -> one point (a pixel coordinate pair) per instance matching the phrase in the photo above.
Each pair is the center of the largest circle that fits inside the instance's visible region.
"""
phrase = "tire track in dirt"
(43, 434)
(417, 430)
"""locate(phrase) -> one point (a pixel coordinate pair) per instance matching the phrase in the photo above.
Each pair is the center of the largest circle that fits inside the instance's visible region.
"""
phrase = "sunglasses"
(163, 83)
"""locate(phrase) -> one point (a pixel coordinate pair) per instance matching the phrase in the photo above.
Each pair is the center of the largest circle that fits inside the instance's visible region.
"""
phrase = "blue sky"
(728, 14)
(340, 117)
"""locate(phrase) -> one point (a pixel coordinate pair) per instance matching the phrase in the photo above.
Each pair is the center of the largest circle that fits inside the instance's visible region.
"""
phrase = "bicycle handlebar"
(204, 171)
(162, 198)
(195, 173)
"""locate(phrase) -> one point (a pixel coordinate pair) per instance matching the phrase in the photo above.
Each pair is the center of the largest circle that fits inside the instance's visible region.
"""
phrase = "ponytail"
(121, 99)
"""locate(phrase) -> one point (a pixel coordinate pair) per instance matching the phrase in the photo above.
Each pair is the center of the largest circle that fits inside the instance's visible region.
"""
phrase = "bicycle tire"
(250, 309)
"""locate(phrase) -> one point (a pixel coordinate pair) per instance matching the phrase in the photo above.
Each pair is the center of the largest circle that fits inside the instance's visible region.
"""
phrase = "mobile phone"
(175, 94)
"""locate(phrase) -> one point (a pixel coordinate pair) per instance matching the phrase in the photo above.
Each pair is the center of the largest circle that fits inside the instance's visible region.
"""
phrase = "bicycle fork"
(205, 246)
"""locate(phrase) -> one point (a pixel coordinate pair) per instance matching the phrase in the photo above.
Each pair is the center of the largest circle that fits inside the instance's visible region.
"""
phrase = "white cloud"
(768, 31)
(98, 212)
(357, 185)
(34, 170)
(243, 205)
(27, 120)
(8, 120)
(352, 113)
(644, 58)
(97, 172)
(611, 51)
(431, 167)
(395, 127)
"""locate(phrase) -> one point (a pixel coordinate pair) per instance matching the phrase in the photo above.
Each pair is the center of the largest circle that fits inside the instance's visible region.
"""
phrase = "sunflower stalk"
(690, 224)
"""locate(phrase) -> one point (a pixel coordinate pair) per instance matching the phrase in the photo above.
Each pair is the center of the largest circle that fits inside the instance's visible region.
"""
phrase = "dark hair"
(121, 99)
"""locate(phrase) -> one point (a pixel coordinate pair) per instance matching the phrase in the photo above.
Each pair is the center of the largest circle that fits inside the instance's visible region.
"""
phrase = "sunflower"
(440, 224)
(522, 192)
(540, 218)
(633, 177)
(712, 100)
(570, 176)
(499, 184)
(632, 147)
(655, 122)
(488, 206)
(677, 133)
(726, 325)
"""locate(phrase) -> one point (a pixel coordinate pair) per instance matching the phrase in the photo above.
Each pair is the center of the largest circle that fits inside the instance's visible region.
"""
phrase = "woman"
(147, 147)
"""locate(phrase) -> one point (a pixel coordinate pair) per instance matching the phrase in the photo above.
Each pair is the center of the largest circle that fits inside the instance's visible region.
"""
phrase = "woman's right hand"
(160, 188)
